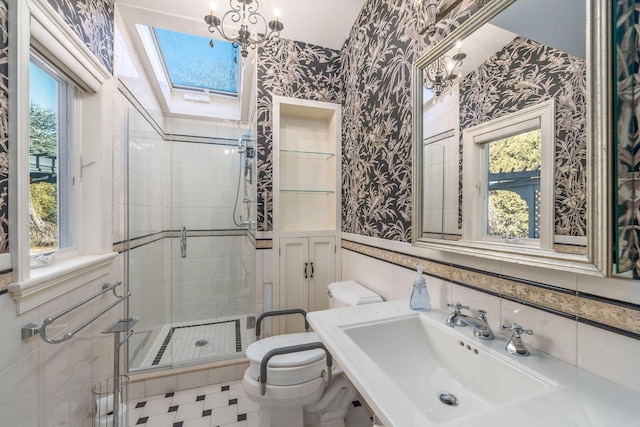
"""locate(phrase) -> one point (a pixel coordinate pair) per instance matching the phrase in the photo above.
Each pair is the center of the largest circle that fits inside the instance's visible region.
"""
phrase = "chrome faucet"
(515, 344)
(480, 324)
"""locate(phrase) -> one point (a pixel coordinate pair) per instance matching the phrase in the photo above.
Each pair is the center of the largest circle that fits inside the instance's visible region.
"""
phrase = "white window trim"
(37, 24)
(474, 166)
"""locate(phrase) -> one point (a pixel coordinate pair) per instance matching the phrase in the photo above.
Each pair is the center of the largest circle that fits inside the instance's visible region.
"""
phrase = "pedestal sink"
(414, 371)
(445, 376)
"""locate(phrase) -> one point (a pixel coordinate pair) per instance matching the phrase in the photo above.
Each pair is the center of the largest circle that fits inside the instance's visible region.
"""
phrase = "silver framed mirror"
(512, 136)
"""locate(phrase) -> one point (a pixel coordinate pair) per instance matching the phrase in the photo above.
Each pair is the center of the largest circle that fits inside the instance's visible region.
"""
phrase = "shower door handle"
(183, 242)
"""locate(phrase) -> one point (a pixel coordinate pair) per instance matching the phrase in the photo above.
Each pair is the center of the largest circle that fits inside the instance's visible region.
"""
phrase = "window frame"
(160, 54)
(37, 25)
(475, 167)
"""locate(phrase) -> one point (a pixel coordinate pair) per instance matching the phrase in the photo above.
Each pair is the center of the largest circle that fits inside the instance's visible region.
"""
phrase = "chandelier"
(441, 73)
(245, 13)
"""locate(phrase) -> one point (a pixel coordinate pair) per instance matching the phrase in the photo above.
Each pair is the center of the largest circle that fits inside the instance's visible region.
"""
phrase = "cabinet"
(307, 266)
(306, 204)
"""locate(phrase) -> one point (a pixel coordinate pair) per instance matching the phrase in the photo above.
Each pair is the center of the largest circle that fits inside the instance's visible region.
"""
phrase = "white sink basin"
(445, 376)
(401, 362)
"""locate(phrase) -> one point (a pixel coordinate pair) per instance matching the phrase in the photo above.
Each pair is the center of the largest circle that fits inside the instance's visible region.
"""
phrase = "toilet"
(298, 391)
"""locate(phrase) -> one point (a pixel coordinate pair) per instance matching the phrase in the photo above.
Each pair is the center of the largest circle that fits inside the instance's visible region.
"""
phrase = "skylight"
(192, 64)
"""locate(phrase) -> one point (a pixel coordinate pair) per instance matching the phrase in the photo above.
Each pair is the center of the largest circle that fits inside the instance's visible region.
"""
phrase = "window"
(192, 64)
(508, 166)
(49, 67)
(512, 204)
(50, 151)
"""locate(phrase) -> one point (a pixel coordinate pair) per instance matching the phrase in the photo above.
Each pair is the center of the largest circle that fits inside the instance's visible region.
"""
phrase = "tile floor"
(218, 405)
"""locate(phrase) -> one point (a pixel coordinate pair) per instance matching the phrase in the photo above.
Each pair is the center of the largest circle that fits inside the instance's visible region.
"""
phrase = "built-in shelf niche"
(306, 176)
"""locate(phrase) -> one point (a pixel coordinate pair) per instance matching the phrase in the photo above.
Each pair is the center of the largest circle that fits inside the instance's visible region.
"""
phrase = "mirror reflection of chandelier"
(254, 29)
(440, 74)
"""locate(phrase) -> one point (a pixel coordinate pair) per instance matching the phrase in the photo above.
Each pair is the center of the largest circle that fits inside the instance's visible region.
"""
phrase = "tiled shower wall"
(192, 184)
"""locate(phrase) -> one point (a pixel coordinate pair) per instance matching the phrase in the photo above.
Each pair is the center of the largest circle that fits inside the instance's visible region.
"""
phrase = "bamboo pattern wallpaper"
(92, 22)
(4, 127)
(526, 73)
(377, 114)
(293, 69)
(627, 120)
(371, 77)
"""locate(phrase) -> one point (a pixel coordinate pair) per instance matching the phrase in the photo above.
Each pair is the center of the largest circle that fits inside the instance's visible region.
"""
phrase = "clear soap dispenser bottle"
(420, 300)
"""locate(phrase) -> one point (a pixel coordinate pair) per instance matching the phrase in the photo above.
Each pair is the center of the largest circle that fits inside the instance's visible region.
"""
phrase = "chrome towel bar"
(31, 329)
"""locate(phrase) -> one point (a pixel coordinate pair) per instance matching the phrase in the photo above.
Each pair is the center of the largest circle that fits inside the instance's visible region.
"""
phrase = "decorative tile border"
(264, 244)
(616, 316)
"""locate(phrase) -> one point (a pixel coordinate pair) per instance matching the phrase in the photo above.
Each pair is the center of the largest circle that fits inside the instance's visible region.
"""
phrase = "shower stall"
(190, 195)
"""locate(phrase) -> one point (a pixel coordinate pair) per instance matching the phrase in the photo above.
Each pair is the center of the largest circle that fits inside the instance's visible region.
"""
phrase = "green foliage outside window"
(43, 130)
(508, 213)
(43, 196)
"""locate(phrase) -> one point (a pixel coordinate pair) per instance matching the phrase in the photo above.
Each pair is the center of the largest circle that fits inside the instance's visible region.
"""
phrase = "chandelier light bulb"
(212, 8)
(276, 13)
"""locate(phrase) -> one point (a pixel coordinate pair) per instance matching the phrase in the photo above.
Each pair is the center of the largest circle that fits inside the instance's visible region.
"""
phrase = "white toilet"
(297, 391)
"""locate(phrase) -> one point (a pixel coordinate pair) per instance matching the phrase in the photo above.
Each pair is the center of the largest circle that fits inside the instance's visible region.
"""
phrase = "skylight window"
(192, 64)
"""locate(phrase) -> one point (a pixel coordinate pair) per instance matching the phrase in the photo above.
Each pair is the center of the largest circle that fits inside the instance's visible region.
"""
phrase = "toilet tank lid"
(352, 293)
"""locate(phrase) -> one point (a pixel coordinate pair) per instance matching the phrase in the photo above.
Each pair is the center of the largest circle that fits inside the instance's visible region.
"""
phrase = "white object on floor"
(104, 405)
(107, 420)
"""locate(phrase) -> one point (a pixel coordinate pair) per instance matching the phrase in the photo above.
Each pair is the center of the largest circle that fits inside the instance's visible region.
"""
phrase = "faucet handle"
(515, 344)
(457, 306)
(516, 330)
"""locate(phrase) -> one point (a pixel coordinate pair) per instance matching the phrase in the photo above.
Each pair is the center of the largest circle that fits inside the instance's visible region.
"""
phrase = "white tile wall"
(42, 384)
(608, 355)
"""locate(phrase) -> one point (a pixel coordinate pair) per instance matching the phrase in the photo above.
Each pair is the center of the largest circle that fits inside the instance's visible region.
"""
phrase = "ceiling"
(325, 23)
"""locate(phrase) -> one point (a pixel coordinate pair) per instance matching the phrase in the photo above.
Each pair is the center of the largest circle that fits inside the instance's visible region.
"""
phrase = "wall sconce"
(440, 74)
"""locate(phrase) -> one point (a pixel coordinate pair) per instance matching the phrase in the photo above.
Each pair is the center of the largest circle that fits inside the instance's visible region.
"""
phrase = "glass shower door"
(212, 258)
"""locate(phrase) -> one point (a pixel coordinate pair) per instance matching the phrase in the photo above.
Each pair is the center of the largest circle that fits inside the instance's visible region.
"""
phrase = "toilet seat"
(287, 369)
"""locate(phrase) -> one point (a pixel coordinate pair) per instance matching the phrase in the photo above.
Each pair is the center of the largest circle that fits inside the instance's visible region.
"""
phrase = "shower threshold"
(199, 341)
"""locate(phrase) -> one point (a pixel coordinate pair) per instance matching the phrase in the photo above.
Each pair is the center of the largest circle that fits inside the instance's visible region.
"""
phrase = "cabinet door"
(322, 270)
(294, 272)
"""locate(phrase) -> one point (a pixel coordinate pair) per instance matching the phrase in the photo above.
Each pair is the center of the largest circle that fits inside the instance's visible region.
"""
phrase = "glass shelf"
(306, 191)
(307, 154)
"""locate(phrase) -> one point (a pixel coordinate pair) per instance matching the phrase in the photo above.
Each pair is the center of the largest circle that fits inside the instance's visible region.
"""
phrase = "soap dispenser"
(420, 300)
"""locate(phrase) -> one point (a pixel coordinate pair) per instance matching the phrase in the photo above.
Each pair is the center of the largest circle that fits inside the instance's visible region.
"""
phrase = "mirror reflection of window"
(512, 204)
(508, 178)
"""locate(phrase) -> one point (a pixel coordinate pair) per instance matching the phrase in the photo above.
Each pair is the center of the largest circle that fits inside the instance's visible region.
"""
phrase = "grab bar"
(31, 329)
(281, 313)
(183, 241)
(288, 350)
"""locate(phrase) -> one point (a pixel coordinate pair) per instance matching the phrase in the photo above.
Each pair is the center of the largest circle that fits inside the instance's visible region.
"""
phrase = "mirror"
(510, 151)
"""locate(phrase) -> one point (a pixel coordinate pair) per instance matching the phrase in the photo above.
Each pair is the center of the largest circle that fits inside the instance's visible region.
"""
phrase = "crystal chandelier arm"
(245, 13)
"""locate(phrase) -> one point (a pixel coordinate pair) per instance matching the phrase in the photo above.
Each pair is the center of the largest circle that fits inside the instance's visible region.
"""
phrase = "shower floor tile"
(238, 411)
(199, 340)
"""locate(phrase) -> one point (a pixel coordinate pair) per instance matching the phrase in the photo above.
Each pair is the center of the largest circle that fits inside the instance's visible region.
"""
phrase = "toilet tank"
(350, 293)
